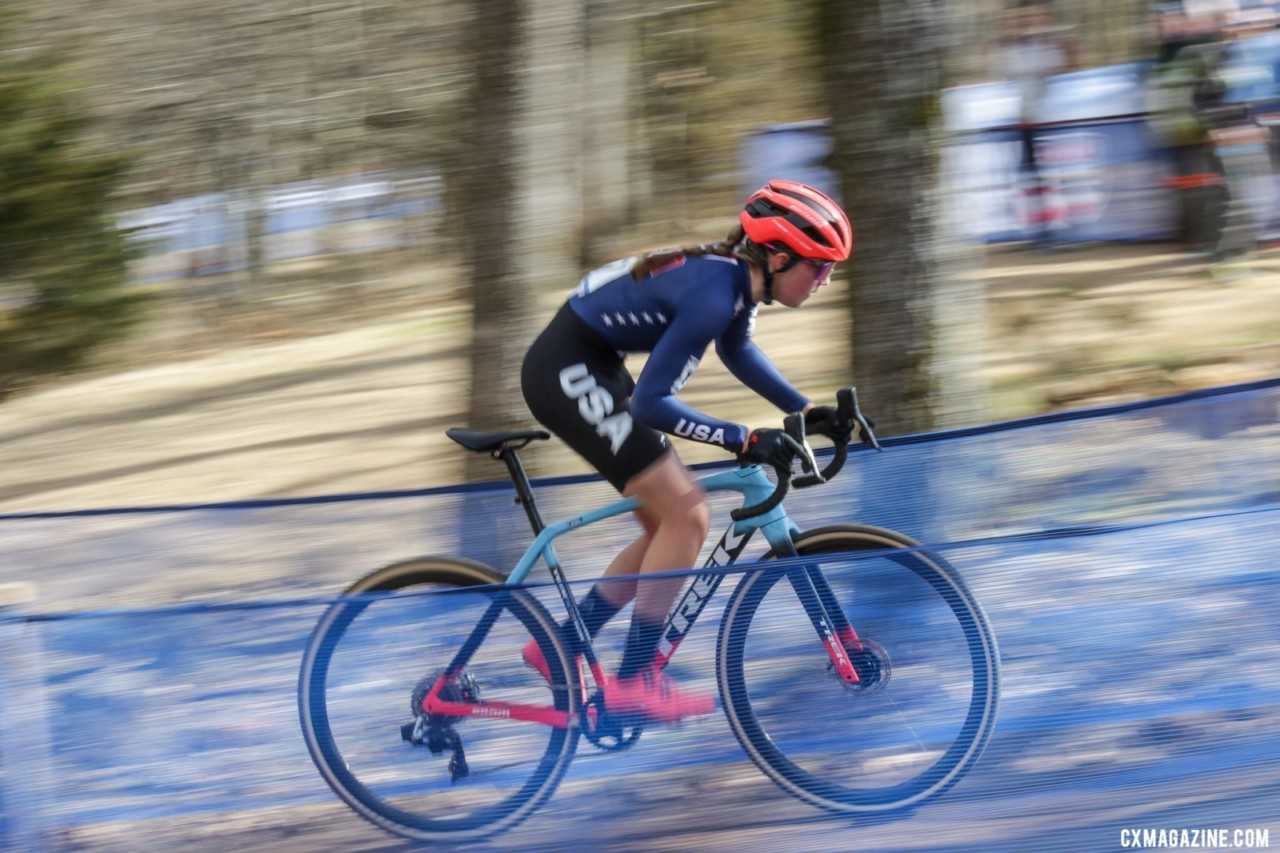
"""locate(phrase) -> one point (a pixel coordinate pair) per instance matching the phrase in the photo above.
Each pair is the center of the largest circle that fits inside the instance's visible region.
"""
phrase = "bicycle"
(921, 628)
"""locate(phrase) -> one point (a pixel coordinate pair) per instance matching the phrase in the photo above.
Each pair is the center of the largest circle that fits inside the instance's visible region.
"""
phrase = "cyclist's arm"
(752, 367)
(671, 363)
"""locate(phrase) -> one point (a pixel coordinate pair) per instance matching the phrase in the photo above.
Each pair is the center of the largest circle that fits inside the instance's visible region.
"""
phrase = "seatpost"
(524, 491)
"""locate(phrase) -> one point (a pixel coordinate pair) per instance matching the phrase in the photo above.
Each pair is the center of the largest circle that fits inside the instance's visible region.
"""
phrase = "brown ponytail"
(656, 260)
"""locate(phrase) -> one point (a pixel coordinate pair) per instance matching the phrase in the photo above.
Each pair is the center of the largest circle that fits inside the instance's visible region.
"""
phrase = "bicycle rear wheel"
(925, 707)
(370, 661)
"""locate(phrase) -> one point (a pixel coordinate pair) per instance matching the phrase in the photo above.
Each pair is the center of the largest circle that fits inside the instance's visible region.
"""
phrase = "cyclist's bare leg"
(603, 601)
(676, 517)
(627, 564)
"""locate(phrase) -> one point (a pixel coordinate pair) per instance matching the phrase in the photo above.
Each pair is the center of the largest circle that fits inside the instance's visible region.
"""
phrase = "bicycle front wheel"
(925, 705)
(369, 663)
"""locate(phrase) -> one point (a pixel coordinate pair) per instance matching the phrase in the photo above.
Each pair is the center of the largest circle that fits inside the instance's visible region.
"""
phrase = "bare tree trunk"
(606, 126)
(913, 347)
(482, 179)
(549, 231)
(517, 191)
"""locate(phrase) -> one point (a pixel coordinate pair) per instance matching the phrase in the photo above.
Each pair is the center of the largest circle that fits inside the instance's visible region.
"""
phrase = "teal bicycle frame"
(751, 482)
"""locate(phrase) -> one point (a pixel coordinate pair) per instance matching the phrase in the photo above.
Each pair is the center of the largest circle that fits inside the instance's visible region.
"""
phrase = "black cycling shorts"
(577, 386)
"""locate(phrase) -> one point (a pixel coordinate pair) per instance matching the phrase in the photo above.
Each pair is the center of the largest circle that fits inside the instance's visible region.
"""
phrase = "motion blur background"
(289, 166)
(274, 248)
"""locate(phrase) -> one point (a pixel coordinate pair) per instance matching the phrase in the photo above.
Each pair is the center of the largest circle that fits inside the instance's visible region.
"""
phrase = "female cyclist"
(672, 304)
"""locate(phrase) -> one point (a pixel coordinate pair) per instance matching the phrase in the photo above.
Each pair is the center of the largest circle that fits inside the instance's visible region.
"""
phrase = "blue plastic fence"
(1125, 557)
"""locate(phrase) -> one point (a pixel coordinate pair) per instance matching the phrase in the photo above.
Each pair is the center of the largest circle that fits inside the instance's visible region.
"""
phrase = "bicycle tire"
(820, 764)
(342, 748)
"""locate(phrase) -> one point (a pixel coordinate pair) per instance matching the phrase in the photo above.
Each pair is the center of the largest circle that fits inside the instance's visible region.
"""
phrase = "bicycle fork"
(815, 594)
(822, 607)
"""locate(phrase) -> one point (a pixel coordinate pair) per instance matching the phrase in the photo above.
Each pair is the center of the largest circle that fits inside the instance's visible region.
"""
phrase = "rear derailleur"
(436, 731)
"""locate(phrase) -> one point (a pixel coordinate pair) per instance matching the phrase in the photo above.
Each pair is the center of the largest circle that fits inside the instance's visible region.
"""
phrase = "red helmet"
(805, 221)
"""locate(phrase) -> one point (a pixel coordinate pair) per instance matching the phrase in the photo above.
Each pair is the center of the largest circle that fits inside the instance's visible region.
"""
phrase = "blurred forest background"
(565, 132)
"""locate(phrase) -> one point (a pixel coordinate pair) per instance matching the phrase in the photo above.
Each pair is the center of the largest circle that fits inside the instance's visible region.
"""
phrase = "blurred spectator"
(1030, 49)
(1241, 143)
(1178, 87)
(1217, 149)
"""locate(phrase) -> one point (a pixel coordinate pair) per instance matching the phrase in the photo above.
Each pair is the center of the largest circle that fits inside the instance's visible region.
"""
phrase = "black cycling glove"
(823, 420)
(772, 447)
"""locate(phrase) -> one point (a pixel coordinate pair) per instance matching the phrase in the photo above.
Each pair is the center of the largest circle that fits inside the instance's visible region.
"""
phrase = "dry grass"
(353, 391)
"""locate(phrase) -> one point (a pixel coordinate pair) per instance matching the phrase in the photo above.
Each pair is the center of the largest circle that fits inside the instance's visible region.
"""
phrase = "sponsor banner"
(1103, 174)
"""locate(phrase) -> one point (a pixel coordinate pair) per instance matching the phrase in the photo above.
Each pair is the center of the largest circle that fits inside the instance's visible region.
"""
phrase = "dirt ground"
(364, 406)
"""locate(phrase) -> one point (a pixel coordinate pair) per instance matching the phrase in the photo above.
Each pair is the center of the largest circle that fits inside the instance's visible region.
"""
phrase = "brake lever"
(793, 424)
(848, 412)
(864, 431)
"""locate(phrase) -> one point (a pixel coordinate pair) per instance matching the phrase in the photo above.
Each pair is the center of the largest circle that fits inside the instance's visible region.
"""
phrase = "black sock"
(642, 643)
(596, 610)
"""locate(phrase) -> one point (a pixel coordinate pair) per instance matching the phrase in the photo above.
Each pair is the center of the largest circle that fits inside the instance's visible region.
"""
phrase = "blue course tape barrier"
(1123, 556)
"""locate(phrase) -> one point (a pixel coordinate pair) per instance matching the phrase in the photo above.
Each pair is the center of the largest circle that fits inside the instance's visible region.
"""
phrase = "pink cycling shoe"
(650, 694)
(653, 696)
(535, 660)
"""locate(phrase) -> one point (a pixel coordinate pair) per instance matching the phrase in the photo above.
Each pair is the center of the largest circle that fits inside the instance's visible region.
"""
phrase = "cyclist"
(672, 304)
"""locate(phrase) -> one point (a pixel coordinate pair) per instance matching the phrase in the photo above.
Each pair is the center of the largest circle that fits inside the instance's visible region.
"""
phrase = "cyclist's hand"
(771, 447)
(825, 420)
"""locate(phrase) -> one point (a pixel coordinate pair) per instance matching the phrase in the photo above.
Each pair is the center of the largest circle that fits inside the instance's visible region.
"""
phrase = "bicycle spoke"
(913, 723)
(378, 658)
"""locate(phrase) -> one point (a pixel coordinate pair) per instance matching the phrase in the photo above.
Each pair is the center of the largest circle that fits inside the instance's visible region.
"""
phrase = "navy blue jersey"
(673, 314)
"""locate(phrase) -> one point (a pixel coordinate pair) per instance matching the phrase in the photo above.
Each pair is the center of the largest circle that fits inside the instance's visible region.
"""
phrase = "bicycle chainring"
(607, 733)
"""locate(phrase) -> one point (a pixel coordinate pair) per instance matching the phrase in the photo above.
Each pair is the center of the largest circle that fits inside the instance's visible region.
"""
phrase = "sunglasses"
(821, 269)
